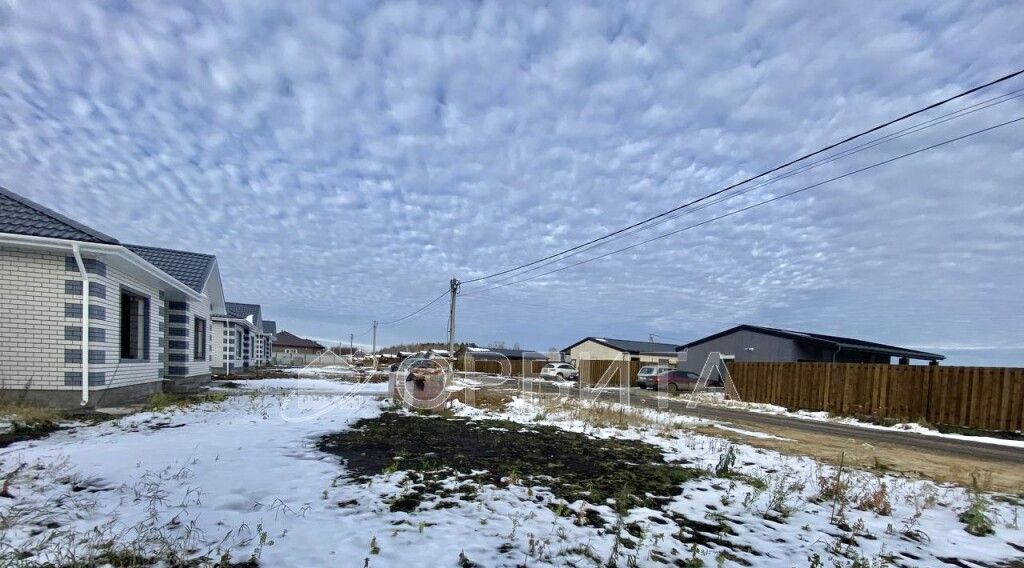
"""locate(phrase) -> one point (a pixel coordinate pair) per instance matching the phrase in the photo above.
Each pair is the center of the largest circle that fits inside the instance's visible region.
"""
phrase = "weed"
(374, 547)
(876, 500)
(726, 462)
(976, 517)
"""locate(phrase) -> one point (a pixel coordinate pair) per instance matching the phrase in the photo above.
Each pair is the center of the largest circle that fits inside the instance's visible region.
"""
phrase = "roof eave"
(51, 243)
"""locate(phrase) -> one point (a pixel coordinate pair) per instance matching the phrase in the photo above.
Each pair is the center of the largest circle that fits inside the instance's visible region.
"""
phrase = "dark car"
(675, 381)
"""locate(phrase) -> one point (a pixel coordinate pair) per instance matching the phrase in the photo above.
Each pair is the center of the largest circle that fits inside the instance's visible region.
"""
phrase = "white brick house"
(124, 301)
(240, 340)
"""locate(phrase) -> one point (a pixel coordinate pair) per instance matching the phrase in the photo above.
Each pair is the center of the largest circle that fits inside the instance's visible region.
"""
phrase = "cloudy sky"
(344, 160)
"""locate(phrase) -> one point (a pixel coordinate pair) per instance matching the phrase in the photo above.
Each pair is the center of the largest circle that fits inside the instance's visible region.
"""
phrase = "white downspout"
(85, 323)
(224, 352)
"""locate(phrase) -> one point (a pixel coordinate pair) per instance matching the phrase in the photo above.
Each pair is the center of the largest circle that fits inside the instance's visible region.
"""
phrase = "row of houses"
(748, 343)
(743, 343)
(86, 319)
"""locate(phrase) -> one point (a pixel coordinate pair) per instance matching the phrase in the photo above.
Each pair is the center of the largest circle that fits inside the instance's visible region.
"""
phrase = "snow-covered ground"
(244, 476)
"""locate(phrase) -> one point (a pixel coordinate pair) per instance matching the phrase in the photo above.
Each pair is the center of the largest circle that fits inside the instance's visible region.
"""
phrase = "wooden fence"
(623, 372)
(989, 398)
(531, 367)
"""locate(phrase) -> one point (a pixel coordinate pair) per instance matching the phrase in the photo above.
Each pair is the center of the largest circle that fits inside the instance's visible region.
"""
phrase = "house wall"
(223, 346)
(40, 345)
(594, 350)
(180, 339)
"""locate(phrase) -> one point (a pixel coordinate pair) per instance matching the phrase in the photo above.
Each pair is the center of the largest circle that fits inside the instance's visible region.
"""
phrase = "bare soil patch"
(498, 452)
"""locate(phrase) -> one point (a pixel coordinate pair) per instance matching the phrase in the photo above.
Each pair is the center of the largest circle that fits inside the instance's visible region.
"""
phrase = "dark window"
(238, 343)
(134, 326)
(199, 339)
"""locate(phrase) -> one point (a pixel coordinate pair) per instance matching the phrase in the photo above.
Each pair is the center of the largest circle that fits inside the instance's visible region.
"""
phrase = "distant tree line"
(413, 347)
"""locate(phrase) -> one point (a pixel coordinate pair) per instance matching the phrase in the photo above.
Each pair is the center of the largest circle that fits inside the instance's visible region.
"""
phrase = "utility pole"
(451, 316)
(351, 348)
(373, 350)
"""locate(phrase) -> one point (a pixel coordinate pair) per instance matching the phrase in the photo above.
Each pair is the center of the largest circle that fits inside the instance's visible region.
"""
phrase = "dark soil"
(22, 432)
(573, 466)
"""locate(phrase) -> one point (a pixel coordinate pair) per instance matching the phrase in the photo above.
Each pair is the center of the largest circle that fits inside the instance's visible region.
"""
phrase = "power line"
(758, 204)
(757, 176)
(413, 313)
(931, 123)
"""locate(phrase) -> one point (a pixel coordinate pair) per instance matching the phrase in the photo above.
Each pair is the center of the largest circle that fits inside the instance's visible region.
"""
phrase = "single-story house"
(286, 343)
(756, 343)
(472, 354)
(239, 339)
(77, 304)
(605, 349)
(188, 328)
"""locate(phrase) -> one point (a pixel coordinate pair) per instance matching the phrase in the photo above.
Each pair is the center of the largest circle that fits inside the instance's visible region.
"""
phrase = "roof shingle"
(190, 268)
(285, 339)
(241, 311)
(21, 216)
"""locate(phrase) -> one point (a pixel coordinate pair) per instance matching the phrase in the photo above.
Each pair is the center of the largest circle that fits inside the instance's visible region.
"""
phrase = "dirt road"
(970, 450)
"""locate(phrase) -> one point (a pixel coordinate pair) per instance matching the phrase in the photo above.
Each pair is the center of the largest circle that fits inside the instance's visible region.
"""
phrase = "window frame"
(142, 302)
(199, 331)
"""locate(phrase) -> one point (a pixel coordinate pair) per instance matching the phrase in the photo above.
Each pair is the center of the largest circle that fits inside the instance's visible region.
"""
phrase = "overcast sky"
(345, 160)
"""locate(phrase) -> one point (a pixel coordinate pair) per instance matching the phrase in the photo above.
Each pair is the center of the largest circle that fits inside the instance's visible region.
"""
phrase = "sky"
(344, 160)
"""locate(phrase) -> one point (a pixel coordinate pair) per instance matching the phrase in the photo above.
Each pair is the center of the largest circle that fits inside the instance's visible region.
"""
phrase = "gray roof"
(241, 311)
(190, 268)
(510, 354)
(21, 216)
(629, 346)
(844, 343)
(269, 326)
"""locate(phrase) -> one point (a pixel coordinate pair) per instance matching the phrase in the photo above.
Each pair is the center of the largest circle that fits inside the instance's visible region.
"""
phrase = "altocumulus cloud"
(344, 160)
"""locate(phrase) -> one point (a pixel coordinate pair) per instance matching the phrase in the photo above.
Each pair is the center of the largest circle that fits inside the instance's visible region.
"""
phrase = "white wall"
(33, 341)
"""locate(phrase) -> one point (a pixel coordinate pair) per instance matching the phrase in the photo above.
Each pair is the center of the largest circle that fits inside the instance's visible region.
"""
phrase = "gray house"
(750, 343)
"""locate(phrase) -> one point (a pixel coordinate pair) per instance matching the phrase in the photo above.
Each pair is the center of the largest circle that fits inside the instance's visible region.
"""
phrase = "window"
(134, 326)
(238, 343)
(199, 338)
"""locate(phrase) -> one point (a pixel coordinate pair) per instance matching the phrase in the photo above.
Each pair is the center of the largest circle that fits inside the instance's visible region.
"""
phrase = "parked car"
(561, 371)
(675, 381)
(645, 377)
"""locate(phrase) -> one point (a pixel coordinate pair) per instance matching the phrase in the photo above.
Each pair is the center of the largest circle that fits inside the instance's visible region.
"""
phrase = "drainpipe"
(836, 352)
(85, 322)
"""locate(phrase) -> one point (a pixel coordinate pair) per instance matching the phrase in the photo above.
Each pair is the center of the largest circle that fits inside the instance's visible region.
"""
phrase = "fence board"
(989, 398)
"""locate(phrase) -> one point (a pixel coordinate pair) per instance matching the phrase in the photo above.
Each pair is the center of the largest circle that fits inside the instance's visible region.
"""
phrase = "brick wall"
(32, 320)
(40, 330)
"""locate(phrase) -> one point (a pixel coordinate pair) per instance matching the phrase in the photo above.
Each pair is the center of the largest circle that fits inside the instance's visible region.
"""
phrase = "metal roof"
(629, 346)
(844, 343)
(269, 326)
(21, 216)
(511, 354)
(190, 268)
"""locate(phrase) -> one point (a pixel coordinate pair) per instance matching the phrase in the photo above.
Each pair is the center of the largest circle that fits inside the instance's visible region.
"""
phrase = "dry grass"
(163, 401)
(487, 399)
(29, 415)
(938, 467)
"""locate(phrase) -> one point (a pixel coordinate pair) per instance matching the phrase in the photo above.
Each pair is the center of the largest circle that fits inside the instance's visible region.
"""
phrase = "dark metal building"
(749, 343)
